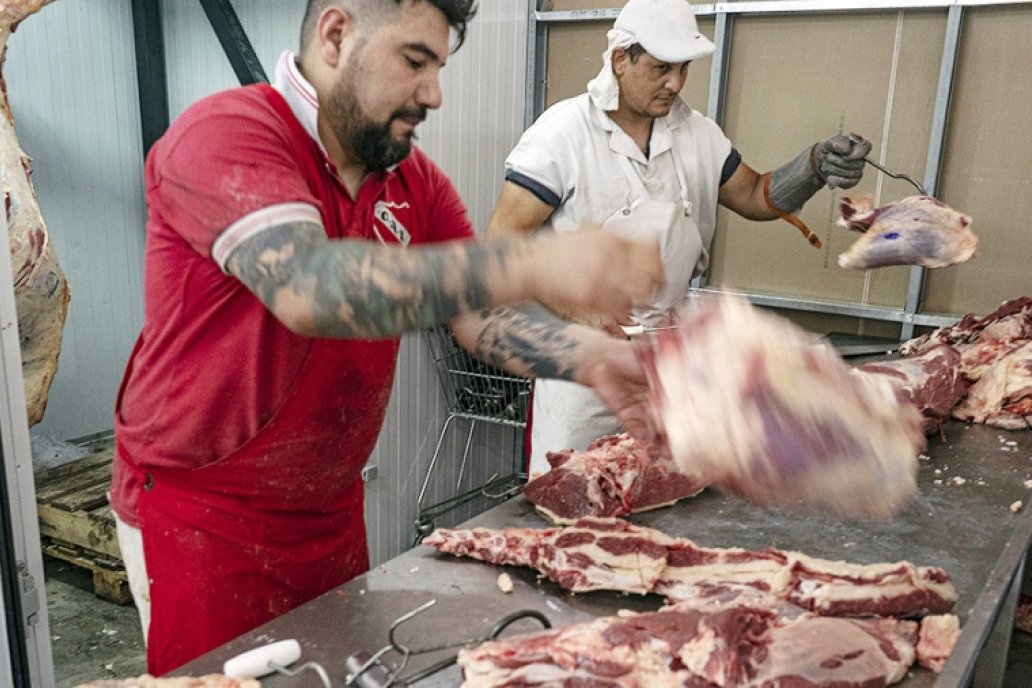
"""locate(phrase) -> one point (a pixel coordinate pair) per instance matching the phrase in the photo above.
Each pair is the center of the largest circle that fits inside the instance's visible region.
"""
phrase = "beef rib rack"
(917, 230)
(612, 554)
(616, 475)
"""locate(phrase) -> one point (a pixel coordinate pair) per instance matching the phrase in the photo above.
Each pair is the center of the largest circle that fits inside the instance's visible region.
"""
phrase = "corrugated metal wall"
(71, 76)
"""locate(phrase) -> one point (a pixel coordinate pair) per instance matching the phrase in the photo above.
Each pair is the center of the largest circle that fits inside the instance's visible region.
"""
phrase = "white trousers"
(566, 416)
(130, 542)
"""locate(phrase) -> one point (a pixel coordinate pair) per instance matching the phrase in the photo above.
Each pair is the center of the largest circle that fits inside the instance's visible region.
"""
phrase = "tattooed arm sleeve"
(526, 340)
(358, 289)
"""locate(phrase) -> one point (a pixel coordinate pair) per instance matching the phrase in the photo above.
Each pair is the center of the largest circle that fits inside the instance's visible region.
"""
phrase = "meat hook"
(370, 671)
(856, 138)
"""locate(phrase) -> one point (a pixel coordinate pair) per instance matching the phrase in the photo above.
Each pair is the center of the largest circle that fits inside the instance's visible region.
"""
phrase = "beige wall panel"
(796, 79)
(560, 5)
(987, 170)
(575, 57)
(823, 323)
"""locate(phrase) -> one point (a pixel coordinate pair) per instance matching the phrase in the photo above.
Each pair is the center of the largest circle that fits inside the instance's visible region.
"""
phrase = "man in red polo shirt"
(293, 235)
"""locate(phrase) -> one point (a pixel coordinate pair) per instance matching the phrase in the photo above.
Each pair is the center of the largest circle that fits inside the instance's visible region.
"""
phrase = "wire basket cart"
(480, 393)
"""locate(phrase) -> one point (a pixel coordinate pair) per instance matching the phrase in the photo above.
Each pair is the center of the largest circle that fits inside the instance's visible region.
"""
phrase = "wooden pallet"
(76, 523)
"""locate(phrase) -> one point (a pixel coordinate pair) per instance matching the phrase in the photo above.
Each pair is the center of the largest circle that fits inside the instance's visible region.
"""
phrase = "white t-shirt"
(568, 159)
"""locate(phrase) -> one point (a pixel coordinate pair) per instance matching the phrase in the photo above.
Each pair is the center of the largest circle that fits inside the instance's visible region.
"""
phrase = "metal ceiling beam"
(151, 75)
(234, 41)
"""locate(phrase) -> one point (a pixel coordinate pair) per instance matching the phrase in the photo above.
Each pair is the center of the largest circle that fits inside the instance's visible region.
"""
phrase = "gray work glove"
(837, 162)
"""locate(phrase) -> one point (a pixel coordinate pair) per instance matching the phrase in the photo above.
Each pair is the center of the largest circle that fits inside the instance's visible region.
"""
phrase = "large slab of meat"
(917, 230)
(730, 647)
(754, 405)
(612, 554)
(616, 475)
(1002, 397)
(995, 357)
(40, 289)
(932, 380)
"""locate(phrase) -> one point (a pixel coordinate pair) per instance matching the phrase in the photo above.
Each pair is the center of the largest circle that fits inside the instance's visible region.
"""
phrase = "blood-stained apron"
(275, 523)
(568, 415)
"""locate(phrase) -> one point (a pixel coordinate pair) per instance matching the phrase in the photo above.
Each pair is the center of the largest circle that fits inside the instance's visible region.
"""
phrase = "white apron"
(570, 416)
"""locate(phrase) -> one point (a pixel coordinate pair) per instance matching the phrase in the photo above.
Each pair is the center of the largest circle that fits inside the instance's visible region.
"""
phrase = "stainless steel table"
(961, 521)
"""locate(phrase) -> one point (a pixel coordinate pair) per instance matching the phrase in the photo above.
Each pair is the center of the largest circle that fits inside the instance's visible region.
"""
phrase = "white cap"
(665, 28)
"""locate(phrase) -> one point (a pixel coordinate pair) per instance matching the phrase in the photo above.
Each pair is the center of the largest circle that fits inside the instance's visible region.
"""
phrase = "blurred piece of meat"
(40, 290)
(683, 646)
(932, 380)
(917, 230)
(754, 405)
(616, 475)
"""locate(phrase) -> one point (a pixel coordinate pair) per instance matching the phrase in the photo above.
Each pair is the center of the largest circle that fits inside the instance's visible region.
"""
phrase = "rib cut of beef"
(616, 475)
(754, 405)
(731, 647)
(917, 230)
(611, 554)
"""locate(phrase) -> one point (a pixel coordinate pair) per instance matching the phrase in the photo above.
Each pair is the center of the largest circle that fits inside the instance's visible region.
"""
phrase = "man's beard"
(370, 142)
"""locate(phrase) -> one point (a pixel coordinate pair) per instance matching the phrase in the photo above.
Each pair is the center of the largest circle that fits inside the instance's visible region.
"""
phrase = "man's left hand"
(839, 160)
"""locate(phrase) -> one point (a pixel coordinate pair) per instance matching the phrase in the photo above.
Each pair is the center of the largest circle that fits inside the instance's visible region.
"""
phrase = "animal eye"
(891, 235)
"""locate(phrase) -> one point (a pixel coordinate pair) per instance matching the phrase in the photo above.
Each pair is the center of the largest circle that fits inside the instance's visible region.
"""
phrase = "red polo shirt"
(212, 364)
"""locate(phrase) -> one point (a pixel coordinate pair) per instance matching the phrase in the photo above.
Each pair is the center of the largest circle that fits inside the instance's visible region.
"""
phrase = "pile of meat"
(918, 230)
(751, 403)
(735, 617)
(979, 370)
(616, 475)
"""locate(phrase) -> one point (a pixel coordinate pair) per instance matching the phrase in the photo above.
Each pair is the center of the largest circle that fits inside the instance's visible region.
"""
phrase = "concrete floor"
(93, 638)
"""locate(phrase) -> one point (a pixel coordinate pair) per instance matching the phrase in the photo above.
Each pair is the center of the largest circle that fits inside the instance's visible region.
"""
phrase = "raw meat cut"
(917, 230)
(682, 646)
(1002, 397)
(936, 639)
(40, 290)
(932, 380)
(996, 356)
(754, 405)
(593, 554)
(611, 554)
(148, 681)
(832, 588)
(1010, 323)
(614, 476)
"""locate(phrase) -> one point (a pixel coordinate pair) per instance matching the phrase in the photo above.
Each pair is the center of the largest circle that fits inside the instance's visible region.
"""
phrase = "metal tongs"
(367, 671)
(856, 138)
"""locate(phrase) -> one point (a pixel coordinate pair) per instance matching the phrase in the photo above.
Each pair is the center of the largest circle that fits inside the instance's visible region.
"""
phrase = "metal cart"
(480, 393)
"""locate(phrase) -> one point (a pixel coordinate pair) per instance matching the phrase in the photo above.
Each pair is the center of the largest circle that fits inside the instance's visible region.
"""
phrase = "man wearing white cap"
(634, 157)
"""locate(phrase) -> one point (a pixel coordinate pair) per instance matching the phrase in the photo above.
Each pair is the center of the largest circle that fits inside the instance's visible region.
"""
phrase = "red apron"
(279, 521)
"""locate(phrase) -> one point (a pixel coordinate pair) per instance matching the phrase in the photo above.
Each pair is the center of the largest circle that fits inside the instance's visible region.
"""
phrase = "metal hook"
(856, 138)
(387, 678)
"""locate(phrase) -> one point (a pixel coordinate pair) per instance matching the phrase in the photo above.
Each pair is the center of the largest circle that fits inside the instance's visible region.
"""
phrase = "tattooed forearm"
(529, 340)
(360, 289)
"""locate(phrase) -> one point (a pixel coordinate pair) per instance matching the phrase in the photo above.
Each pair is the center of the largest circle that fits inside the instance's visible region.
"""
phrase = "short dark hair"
(457, 12)
(634, 51)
